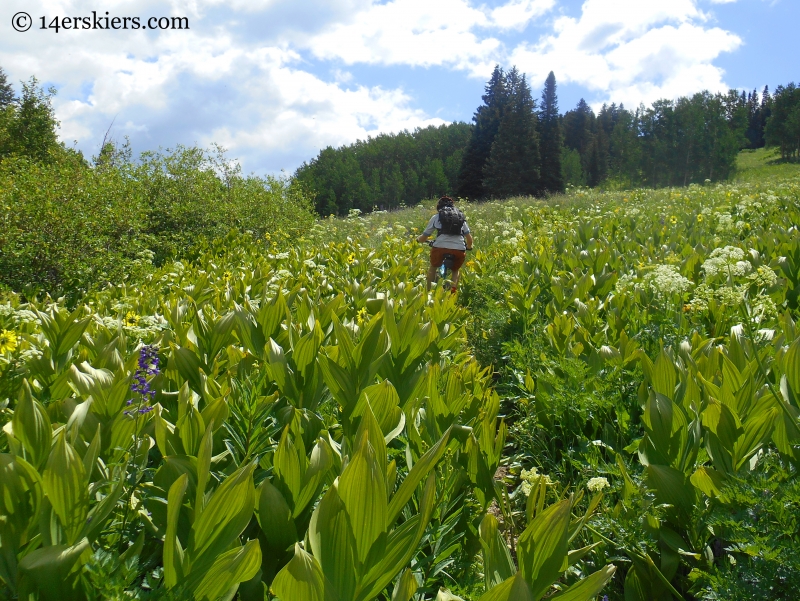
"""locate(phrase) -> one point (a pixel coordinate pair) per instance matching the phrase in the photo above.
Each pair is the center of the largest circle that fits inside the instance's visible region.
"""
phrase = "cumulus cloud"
(276, 80)
(631, 51)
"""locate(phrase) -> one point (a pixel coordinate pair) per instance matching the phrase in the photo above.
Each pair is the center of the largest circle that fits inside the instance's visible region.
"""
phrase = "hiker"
(452, 237)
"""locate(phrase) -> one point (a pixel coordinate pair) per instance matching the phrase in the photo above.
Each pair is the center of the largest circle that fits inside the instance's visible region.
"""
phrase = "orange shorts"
(437, 257)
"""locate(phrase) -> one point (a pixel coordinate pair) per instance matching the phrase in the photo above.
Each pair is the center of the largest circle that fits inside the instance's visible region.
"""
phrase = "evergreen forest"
(520, 144)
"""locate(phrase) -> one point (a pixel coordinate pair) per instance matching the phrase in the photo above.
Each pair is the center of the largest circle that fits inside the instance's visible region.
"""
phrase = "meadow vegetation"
(609, 406)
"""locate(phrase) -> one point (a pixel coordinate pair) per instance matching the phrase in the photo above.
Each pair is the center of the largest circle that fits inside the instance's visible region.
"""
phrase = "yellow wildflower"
(673, 220)
(699, 219)
(8, 342)
(361, 316)
(131, 319)
(351, 258)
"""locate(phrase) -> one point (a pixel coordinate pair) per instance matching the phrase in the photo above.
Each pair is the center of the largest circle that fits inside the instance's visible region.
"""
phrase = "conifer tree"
(487, 122)
(6, 91)
(550, 138)
(513, 165)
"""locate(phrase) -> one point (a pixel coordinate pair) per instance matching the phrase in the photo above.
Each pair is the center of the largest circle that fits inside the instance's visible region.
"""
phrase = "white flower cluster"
(531, 478)
(516, 260)
(145, 325)
(597, 484)
(763, 277)
(663, 280)
(728, 260)
(666, 280)
(725, 223)
(18, 316)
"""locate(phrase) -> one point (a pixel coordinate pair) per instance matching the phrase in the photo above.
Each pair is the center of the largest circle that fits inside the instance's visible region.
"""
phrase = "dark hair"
(444, 201)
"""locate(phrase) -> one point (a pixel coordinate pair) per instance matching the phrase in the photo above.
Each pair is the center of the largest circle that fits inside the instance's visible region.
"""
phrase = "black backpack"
(452, 220)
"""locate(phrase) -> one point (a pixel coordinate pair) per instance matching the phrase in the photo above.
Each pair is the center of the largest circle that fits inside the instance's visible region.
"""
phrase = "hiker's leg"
(431, 275)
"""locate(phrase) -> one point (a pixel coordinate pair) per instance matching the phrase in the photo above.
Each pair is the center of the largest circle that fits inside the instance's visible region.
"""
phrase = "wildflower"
(700, 218)
(673, 220)
(665, 280)
(727, 261)
(597, 484)
(361, 315)
(148, 366)
(131, 319)
(351, 258)
(8, 342)
(531, 478)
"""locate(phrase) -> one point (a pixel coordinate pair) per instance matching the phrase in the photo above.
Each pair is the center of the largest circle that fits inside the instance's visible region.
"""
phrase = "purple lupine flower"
(148, 366)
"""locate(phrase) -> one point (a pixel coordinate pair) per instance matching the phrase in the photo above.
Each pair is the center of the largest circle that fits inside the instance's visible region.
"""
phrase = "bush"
(68, 227)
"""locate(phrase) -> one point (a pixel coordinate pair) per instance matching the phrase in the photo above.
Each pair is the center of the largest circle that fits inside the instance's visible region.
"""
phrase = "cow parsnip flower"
(597, 484)
(728, 260)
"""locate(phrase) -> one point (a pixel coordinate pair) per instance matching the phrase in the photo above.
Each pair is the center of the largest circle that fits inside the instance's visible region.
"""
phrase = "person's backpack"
(452, 220)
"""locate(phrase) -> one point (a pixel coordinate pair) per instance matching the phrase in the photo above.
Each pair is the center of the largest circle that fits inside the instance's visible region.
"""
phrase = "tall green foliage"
(487, 120)
(386, 171)
(783, 125)
(67, 226)
(6, 91)
(28, 126)
(513, 165)
(550, 138)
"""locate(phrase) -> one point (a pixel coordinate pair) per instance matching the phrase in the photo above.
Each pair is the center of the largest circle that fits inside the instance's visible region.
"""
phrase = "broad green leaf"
(318, 467)
(275, 517)
(32, 427)
(96, 520)
(188, 365)
(707, 480)
(542, 547)
(333, 544)
(757, 430)
(362, 488)
(588, 588)
(672, 487)
(792, 367)
(173, 552)
(224, 518)
(91, 454)
(68, 337)
(65, 485)
(401, 545)
(497, 563)
(190, 429)
(20, 499)
(203, 469)
(301, 579)
(288, 469)
(513, 589)
(49, 573)
(229, 569)
(421, 468)
(406, 587)
(664, 377)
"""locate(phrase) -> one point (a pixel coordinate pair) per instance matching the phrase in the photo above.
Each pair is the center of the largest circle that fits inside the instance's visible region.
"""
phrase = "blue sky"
(274, 81)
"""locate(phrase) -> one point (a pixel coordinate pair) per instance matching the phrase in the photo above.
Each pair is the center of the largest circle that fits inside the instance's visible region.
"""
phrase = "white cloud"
(241, 76)
(631, 51)
(425, 33)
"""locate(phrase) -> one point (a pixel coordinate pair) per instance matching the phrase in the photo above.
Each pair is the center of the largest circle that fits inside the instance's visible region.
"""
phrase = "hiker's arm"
(468, 240)
(426, 233)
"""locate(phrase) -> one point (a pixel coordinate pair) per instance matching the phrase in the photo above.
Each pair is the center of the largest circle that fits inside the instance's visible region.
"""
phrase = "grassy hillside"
(609, 406)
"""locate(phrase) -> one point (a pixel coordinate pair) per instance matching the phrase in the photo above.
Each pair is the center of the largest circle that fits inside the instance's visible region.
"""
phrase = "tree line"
(520, 145)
